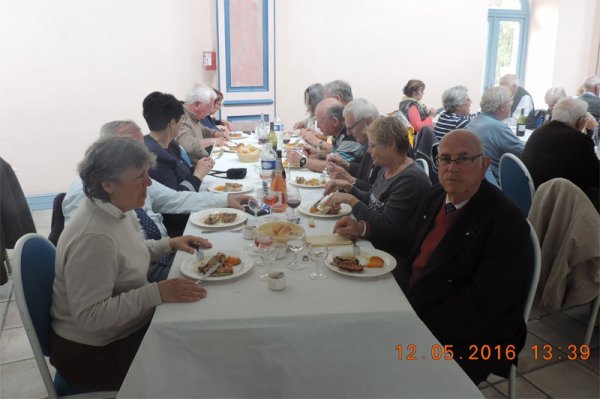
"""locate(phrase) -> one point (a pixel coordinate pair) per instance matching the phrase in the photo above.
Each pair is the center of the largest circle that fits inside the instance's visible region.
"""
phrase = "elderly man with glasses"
(559, 149)
(495, 135)
(465, 260)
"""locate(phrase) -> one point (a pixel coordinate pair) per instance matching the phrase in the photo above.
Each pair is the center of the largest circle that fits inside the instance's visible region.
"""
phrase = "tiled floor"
(556, 378)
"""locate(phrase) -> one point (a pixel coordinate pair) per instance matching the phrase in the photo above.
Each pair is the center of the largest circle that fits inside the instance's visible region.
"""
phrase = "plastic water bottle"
(278, 125)
(268, 159)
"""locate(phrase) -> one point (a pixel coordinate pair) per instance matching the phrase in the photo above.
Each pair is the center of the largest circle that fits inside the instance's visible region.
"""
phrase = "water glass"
(318, 255)
(296, 244)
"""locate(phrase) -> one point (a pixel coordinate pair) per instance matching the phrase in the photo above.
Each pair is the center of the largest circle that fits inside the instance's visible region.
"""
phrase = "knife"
(318, 202)
(208, 273)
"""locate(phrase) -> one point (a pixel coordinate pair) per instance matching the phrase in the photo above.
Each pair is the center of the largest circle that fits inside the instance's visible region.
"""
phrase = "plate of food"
(370, 263)
(284, 163)
(232, 264)
(313, 181)
(230, 187)
(293, 146)
(237, 135)
(324, 210)
(218, 217)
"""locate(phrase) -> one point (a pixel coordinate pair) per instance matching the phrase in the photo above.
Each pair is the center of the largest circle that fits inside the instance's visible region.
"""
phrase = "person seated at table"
(159, 199)
(338, 89)
(417, 113)
(465, 259)
(330, 119)
(101, 301)
(163, 113)
(497, 138)
(212, 123)
(591, 95)
(456, 114)
(521, 99)
(559, 149)
(399, 185)
(313, 95)
(358, 114)
(194, 137)
(551, 97)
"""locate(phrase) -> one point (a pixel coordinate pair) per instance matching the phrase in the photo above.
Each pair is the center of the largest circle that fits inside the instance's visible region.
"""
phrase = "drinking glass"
(267, 252)
(293, 200)
(296, 244)
(318, 255)
(255, 205)
(270, 200)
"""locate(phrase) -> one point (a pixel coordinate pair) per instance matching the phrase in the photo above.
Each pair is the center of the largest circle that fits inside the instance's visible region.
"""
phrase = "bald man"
(465, 260)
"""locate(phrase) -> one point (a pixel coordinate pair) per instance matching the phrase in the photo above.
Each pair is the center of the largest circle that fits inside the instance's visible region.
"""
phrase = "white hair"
(200, 93)
(553, 95)
(116, 128)
(453, 97)
(361, 108)
(493, 98)
(509, 80)
(590, 83)
(569, 110)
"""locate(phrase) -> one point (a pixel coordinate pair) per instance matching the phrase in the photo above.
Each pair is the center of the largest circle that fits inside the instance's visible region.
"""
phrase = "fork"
(220, 154)
(199, 252)
(355, 248)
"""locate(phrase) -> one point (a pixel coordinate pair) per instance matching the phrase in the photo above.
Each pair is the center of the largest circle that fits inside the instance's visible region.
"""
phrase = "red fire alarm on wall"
(209, 60)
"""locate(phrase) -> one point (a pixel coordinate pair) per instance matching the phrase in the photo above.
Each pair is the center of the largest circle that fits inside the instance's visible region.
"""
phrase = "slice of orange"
(375, 262)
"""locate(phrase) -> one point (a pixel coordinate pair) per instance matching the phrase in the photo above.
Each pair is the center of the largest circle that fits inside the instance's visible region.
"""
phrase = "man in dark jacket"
(559, 149)
(466, 261)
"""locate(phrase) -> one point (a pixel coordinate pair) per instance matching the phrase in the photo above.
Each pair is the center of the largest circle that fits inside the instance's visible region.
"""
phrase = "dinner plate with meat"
(218, 218)
(230, 187)
(308, 181)
(324, 210)
(232, 264)
(370, 263)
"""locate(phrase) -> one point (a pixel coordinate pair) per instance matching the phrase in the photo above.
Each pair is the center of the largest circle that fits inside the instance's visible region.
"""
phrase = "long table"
(337, 337)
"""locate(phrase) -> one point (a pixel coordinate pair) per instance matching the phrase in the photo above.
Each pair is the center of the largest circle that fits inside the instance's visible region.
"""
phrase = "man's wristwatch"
(302, 162)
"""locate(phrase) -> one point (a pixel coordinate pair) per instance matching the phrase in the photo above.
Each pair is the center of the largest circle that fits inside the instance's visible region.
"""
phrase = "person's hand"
(189, 243)
(342, 198)
(311, 152)
(334, 158)
(299, 125)
(334, 185)
(432, 112)
(203, 166)
(310, 137)
(223, 133)
(237, 201)
(337, 172)
(348, 227)
(180, 290)
(228, 125)
(590, 122)
(293, 157)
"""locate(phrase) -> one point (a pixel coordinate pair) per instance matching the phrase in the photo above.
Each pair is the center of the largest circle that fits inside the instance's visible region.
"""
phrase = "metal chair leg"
(595, 307)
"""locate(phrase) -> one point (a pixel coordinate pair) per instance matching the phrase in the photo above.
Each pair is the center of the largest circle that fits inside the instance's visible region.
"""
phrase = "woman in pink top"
(417, 113)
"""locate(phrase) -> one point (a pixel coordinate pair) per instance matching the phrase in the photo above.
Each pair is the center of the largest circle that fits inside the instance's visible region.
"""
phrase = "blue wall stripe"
(40, 202)
(232, 103)
(265, 86)
(240, 118)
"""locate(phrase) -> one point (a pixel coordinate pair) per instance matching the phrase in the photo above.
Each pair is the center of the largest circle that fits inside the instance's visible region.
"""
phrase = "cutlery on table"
(208, 273)
(318, 202)
(355, 248)
(199, 252)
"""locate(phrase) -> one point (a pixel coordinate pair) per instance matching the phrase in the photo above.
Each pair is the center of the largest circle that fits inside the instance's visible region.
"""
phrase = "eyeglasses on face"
(460, 160)
(350, 128)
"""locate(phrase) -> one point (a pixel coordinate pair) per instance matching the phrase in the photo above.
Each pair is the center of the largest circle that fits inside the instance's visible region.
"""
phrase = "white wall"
(377, 46)
(67, 67)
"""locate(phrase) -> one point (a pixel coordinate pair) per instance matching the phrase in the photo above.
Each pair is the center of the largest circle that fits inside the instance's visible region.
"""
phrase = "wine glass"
(270, 199)
(296, 244)
(293, 200)
(318, 255)
(267, 252)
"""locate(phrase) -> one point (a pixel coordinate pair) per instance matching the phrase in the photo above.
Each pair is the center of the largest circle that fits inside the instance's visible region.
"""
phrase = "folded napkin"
(328, 240)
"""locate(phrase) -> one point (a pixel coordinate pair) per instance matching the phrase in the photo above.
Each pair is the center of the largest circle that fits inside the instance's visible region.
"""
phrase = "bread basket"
(279, 230)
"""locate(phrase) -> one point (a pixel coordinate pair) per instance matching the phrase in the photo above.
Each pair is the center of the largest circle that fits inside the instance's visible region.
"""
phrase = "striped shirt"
(450, 121)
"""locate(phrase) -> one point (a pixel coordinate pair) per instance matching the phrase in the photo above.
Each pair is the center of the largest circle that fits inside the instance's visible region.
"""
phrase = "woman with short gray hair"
(457, 108)
(102, 302)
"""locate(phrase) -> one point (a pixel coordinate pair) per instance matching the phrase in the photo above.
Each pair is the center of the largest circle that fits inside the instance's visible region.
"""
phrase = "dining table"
(342, 336)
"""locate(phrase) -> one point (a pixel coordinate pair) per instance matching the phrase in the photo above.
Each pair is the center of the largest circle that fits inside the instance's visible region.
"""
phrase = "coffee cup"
(249, 231)
(276, 281)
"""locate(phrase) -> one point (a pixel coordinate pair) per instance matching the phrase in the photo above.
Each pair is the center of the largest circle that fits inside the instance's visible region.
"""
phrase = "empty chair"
(516, 182)
(33, 279)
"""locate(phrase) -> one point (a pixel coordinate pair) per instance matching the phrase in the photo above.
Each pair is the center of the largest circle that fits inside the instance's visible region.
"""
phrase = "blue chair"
(33, 278)
(516, 182)
(423, 164)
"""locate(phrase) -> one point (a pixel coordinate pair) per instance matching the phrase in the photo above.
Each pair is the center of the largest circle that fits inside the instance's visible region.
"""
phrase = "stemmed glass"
(269, 199)
(293, 200)
(267, 252)
(256, 204)
(296, 244)
(318, 255)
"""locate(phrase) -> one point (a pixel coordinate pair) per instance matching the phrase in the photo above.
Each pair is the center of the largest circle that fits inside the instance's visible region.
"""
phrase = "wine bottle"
(521, 122)
(272, 137)
(279, 189)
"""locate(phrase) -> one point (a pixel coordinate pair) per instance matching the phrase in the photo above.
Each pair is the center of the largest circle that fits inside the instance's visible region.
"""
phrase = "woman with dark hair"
(396, 192)
(163, 113)
(313, 95)
(102, 301)
(417, 113)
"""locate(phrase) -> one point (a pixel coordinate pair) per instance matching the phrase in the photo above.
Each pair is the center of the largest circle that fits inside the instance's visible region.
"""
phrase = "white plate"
(246, 188)
(241, 135)
(389, 262)
(189, 265)
(305, 209)
(198, 218)
(318, 176)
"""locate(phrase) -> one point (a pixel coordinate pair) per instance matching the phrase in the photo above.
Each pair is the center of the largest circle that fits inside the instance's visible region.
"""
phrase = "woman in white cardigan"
(102, 302)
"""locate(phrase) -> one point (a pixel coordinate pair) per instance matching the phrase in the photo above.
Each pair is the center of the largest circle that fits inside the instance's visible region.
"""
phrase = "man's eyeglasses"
(349, 129)
(460, 160)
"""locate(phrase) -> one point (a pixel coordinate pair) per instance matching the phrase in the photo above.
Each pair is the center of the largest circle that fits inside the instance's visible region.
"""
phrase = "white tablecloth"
(328, 338)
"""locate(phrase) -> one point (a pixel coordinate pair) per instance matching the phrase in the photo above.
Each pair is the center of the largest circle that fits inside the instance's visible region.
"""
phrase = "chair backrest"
(423, 163)
(33, 277)
(516, 182)
(537, 266)
(57, 225)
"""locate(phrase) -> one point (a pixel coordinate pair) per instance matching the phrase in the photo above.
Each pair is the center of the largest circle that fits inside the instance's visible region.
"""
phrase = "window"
(508, 24)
